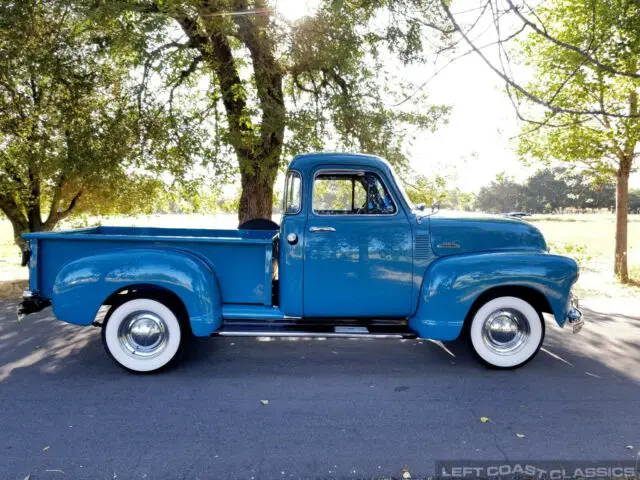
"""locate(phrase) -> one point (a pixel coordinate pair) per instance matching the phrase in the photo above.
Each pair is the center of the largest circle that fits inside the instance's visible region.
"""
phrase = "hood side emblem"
(448, 245)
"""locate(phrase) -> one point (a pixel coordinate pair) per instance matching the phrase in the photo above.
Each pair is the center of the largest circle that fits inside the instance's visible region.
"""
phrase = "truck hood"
(454, 233)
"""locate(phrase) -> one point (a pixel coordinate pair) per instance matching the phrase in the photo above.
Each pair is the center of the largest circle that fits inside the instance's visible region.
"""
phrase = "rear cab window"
(292, 193)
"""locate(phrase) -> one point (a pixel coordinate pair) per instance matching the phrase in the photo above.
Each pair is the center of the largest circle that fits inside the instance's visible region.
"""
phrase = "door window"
(351, 193)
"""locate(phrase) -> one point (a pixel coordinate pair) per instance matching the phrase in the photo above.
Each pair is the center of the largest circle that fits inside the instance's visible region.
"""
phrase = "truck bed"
(241, 259)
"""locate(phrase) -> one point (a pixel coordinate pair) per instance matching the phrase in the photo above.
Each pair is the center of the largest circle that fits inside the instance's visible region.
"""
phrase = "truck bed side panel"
(239, 267)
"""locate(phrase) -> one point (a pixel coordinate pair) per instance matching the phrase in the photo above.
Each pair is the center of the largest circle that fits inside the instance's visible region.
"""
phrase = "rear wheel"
(142, 335)
(506, 332)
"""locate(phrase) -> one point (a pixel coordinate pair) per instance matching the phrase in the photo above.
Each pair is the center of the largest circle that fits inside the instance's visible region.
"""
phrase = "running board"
(327, 331)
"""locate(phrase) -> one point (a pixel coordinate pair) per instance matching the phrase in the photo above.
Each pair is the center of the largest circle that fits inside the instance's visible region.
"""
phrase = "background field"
(587, 237)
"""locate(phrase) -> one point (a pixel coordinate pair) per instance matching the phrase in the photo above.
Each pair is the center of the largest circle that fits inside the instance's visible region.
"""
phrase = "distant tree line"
(550, 190)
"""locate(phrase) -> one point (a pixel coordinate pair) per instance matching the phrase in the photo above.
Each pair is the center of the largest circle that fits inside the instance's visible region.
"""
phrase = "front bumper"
(574, 315)
(31, 303)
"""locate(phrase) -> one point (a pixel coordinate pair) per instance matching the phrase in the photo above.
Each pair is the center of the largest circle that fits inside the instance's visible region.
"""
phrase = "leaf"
(28, 477)
(264, 402)
(46, 448)
(484, 419)
(520, 435)
(629, 447)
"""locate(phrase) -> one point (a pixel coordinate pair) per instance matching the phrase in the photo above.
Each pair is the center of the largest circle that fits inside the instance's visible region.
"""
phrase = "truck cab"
(346, 235)
(352, 258)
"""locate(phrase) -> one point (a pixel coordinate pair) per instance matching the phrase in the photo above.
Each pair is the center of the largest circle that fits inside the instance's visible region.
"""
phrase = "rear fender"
(452, 284)
(82, 286)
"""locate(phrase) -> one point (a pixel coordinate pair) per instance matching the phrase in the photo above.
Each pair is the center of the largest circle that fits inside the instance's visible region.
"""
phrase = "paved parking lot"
(336, 408)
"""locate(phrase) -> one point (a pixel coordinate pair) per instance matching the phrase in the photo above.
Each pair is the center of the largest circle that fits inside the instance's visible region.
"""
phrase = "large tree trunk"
(622, 208)
(28, 218)
(256, 200)
(258, 147)
(19, 227)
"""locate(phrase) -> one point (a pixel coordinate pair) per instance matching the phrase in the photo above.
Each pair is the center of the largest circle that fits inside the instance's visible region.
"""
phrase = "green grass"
(590, 240)
(595, 232)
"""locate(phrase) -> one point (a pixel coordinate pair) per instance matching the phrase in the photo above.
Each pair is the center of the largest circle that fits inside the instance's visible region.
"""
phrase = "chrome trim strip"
(240, 333)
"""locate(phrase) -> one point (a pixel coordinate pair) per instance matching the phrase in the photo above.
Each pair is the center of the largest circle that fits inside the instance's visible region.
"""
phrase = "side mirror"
(435, 207)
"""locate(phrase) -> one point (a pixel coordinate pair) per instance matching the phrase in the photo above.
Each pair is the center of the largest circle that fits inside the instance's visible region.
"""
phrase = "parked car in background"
(518, 214)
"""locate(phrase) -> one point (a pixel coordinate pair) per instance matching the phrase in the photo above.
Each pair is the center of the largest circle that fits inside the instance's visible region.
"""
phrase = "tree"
(459, 200)
(634, 200)
(606, 145)
(275, 88)
(426, 191)
(72, 138)
(585, 193)
(545, 191)
(501, 196)
(583, 103)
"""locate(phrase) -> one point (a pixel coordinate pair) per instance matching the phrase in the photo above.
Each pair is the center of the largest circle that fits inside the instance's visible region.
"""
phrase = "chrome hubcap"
(506, 331)
(143, 334)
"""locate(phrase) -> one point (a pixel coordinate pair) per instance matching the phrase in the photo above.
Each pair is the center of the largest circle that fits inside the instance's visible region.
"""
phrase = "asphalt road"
(336, 408)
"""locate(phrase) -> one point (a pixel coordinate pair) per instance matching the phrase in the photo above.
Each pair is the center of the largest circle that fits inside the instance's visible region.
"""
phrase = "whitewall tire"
(506, 332)
(142, 335)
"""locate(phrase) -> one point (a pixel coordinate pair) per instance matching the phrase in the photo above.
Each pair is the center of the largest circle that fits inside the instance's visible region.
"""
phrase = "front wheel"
(142, 335)
(506, 332)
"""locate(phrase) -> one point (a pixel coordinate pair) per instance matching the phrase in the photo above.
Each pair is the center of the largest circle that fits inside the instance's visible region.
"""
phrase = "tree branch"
(510, 82)
(72, 204)
(216, 50)
(184, 74)
(268, 75)
(573, 48)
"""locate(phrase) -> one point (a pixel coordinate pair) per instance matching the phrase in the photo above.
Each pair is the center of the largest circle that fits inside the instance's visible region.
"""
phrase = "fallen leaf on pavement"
(520, 435)
(28, 477)
(484, 419)
(46, 448)
(629, 447)
(264, 402)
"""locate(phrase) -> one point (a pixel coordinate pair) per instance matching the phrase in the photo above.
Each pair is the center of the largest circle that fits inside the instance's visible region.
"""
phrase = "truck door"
(357, 249)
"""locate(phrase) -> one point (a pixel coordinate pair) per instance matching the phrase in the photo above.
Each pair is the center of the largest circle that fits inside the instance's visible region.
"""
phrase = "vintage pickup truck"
(352, 258)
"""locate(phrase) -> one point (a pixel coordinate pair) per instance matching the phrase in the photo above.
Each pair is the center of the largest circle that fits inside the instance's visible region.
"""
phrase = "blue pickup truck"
(352, 258)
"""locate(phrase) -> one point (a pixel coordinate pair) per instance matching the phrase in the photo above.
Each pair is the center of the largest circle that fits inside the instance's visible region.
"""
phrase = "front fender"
(83, 285)
(452, 284)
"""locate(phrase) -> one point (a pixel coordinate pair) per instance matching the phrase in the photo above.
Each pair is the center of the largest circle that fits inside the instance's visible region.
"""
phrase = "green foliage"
(231, 205)
(273, 88)
(601, 143)
(604, 139)
(634, 200)
(277, 198)
(75, 136)
(501, 196)
(578, 251)
(428, 191)
(547, 191)
(458, 200)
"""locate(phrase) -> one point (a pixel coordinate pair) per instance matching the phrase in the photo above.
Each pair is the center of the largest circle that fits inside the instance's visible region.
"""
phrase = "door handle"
(322, 229)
